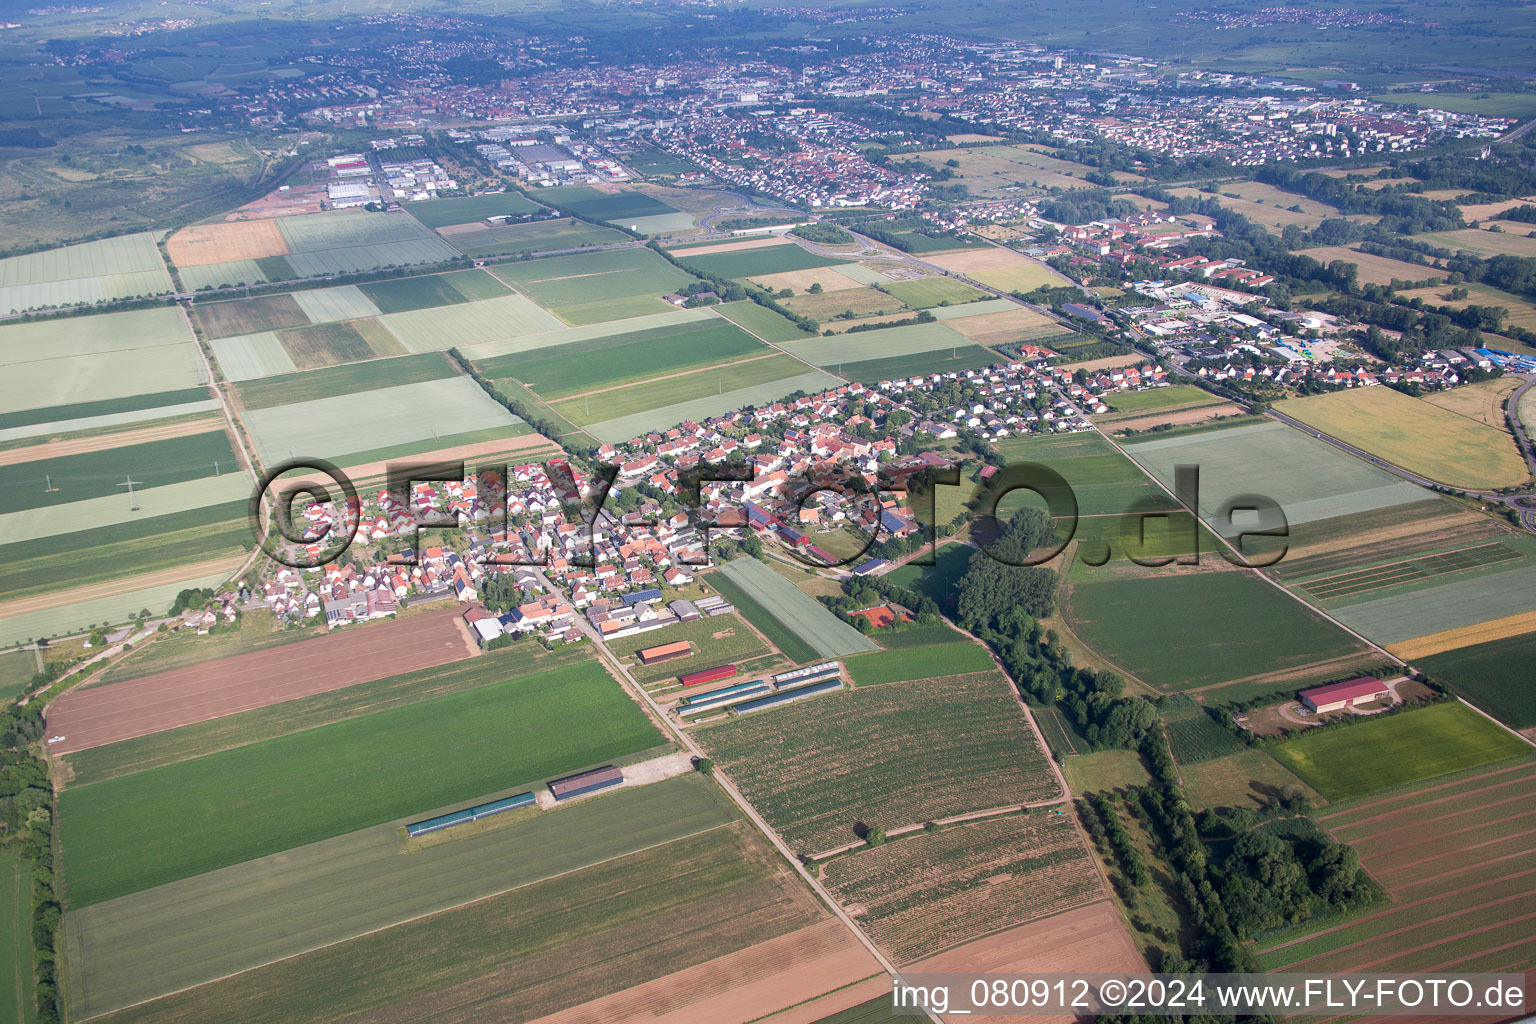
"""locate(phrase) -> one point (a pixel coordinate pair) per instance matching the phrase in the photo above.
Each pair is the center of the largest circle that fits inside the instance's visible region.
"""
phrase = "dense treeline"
(826, 234)
(27, 810)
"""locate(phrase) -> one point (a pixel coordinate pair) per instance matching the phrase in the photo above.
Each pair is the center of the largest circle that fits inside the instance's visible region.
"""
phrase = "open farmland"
(714, 639)
(1194, 631)
(480, 240)
(94, 360)
(1309, 479)
(617, 206)
(398, 296)
(1483, 401)
(97, 474)
(693, 396)
(1374, 269)
(101, 715)
(989, 171)
(438, 213)
(963, 357)
(240, 917)
(1498, 676)
(631, 281)
(1178, 396)
(587, 366)
(927, 662)
(890, 755)
(1396, 750)
(858, 301)
(1008, 326)
(921, 894)
(788, 643)
(113, 268)
(284, 792)
(1102, 770)
(1456, 860)
(882, 344)
(1193, 734)
(350, 301)
(1415, 435)
(199, 245)
(329, 344)
(1105, 481)
(562, 335)
(802, 614)
(1486, 244)
(1522, 312)
(247, 316)
(535, 950)
(1244, 779)
(761, 321)
(16, 980)
(483, 322)
(756, 262)
(348, 241)
(934, 291)
(369, 421)
(1268, 206)
(123, 601)
(334, 381)
(1000, 268)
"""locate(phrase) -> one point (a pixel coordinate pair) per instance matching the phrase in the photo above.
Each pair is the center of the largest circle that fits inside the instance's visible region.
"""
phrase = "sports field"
(630, 282)
(884, 344)
(112, 268)
(891, 755)
(771, 259)
(216, 924)
(1498, 676)
(469, 323)
(693, 396)
(1201, 630)
(1308, 478)
(271, 796)
(761, 321)
(1455, 857)
(372, 420)
(933, 291)
(580, 367)
(802, 614)
(545, 947)
(1396, 750)
(1415, 435)
(97, 358)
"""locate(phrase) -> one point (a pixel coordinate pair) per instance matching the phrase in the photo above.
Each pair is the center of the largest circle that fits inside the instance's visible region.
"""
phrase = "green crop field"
(1498, 676)
(353, 885)
(55, 520)
(1489, 104)
(17, 1000)
(1198, 630)
(548, 946)
(1466, 600)
(933, 291)
(938, 580)
(626, 358)
(859, 302)
(325, 345)
(97, 474)
(1245, 779)
(615, 207)
(437, 213)
(1398, 749)
(658, 394)
(1105, 481)
(1194, 736)
(469, 323)
(877, 1011)
(893, 755)
(408, 293)
(117, 608)
(802, 614)
(115, 412)
(881, 344)
(761, 321)
(566, 284)
(703, 394)
(563, 335)
(945, 360)
(16, 670)
(97, 358)
(531, 237)
(1179, 396)
(354, 423)
(1420, 437)
(1105, 770)
(793, 648)
(475, 285)
(344, 302)
(349, 241)
(267, 797)
(248, 316)
(332, 381)
(112, 268)
(1310, 480)
(772, 259)
(252, 356)
(918, 663)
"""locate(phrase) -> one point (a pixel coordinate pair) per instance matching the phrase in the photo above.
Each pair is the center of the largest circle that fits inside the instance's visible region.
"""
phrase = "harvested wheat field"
(1483, 401)
(999, 267)
(1005, 328)
(202, 244)
(1465, 636)
(799, 281)
(1175, 419)
(739, 987)
(736, 245)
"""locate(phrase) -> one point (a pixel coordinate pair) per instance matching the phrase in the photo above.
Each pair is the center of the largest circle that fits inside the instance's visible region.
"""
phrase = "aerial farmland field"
(891, 755)
(1483, 243)
(772, 259)
(370, 421)
(489, 320)
(113, 268)
(999, 267)
(334, 381)
(926, 662)
(284, 792)
(479, 240)
(1244, 779)
(761, 321)
(631, 281)
(618, 207)
(348, 241)
(1104, 481)
(1374, 269)
(16, 984)
(95, 474)
(1420, 437)
(882, 344)
(213, 925)
(438, 213)
(803, 615)
(1393, 751)
(1496, 676)
(231, 317)
(407, 293)
(934, 291)
(926, 893)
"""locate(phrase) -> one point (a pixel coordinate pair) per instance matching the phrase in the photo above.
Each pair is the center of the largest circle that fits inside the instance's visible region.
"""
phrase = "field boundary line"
(1437, 800)
(1512, 731)
(397, 924)
(968, 818)
(665, 376)
(1410, 794)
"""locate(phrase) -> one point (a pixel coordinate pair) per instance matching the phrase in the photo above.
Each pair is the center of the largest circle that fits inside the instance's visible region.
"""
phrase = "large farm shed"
(665, 652)
(786, 696)
(486, 810)
(1336, 696)
(586, 782)
(707, 675)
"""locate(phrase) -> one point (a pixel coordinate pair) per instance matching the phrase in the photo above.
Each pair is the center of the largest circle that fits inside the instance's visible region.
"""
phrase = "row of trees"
(27, 810)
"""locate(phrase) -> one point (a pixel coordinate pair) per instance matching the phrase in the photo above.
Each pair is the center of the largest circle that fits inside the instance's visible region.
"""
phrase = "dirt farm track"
(154, 703)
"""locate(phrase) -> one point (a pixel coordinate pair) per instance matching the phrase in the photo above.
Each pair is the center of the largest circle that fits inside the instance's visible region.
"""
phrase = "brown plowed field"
(742, 986)
(1089, 940)
(202, 244)
(1458, 862)
(151, 704)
